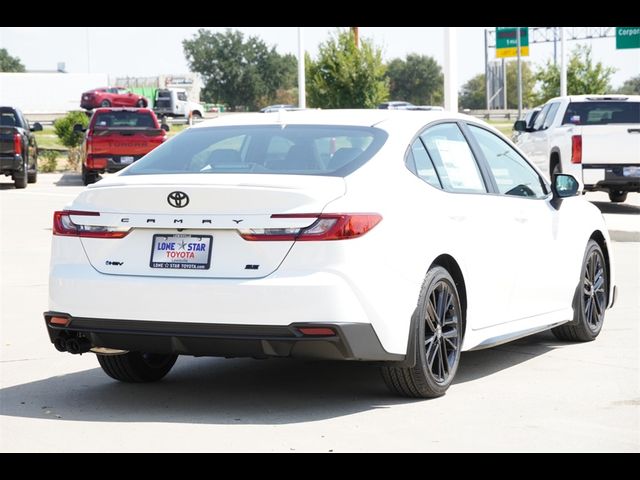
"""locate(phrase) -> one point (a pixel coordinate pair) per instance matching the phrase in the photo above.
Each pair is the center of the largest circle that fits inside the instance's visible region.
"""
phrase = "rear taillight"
(96, 162)
(64, 226)
(576, 149)
(17, 144)
(331, 226)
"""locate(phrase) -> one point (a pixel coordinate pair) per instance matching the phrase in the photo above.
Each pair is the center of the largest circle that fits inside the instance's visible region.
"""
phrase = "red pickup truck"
(117, 137)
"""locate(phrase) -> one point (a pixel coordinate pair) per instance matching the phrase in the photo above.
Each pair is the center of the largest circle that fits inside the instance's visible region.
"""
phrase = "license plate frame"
(181, 260)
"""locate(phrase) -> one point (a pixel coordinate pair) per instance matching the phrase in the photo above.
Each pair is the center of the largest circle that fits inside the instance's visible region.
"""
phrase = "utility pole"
(504, 84)
(88, 51)
(450, 70)
(486, 67)
(519, 73)
(356, 36)
(302, 94)
(555, 46)
(563, 66)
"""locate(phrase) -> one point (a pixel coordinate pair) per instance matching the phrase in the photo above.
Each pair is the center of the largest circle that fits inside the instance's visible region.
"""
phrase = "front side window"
(551, 114)
(182, 96)
(512, 173)
(537, 124)
(453, 160)
(330, 150)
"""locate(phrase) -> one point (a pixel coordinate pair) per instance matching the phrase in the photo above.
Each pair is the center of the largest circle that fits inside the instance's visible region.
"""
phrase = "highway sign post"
(627, 37)
(506, 42)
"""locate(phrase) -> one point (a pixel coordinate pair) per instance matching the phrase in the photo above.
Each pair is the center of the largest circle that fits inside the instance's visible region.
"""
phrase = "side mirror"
(165, 127)
(563, 186)
(520, 126)
(77, 128)
(36, 127)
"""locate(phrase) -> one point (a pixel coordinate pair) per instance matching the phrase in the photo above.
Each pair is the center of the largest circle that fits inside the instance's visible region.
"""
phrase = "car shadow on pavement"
(7, 185)
(238, 391)
(618, 208)
(70, 179)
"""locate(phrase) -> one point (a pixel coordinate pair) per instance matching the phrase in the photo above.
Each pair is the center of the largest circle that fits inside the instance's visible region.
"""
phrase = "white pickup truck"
(595, 138)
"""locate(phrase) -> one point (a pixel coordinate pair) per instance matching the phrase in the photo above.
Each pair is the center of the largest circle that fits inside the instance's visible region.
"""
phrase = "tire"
(591, 299)
(617, 196)
(20, 179)
(137, 367)
(433, 373)
(32, 175)
(141, 103)
(105, 103)
(89, 176)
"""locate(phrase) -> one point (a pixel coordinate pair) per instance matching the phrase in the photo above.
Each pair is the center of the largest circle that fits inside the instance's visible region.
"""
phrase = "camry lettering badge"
(178, 199)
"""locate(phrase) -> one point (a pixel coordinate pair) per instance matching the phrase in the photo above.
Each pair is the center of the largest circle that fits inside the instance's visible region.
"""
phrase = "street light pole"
(563, 66)
(519, 73)
(302, 94)
(450, 70)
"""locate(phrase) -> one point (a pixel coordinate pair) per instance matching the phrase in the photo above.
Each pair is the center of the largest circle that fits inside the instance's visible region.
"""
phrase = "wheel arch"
(450, 264)
(598, 237)
(554, 159)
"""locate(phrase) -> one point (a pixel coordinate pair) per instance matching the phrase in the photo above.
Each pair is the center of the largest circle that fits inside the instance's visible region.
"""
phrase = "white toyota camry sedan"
(396, 237)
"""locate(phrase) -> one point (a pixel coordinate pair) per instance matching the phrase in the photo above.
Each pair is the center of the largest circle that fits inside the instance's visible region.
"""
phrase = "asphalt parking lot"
(536, 394)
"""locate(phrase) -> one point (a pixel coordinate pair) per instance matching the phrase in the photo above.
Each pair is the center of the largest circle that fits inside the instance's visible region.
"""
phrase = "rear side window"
(456, 166)
(268, 149)
(602, 113)
(124, 120)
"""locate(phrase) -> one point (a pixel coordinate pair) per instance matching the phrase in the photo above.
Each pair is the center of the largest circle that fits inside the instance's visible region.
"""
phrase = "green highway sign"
(507, 43)
(627, 37)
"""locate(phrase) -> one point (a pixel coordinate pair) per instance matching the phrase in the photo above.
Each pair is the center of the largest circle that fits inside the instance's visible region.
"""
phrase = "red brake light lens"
(17, 144)
(576, 149)
(64, 226)
(331, 226)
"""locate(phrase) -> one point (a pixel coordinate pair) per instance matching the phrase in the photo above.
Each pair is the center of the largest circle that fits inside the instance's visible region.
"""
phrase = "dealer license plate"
(126, 160)
(631, 171)
(191, 252)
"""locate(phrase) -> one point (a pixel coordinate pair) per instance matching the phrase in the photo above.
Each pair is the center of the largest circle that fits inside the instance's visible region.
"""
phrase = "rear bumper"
(10, 163)
(606, 177)
(350, 341)
(88, 105)
(114, 163)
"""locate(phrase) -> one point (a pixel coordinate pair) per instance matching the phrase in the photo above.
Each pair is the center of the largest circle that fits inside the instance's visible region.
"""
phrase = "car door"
(474, 219)
(539, 242)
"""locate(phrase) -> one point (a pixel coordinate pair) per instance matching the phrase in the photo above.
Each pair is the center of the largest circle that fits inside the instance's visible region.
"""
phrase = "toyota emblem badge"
(178, 199)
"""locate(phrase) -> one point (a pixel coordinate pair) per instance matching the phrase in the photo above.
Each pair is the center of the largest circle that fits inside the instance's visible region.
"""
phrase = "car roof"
(411, 119)
(121, 109)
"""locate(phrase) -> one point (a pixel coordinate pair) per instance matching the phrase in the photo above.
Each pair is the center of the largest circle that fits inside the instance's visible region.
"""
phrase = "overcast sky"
(149, 51)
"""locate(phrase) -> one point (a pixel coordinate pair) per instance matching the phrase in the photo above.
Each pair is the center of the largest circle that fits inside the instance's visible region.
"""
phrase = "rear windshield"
(9, 118)
(602, 113)
(270, 149)
(124, 120)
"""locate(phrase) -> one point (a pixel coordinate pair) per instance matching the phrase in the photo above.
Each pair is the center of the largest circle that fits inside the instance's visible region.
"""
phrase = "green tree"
(9, 63)
(473, 93)
(64, 128)
(417, 79)
(583, 76)
(238, 72)
(631, 86)
(345, 76)
(529, 97)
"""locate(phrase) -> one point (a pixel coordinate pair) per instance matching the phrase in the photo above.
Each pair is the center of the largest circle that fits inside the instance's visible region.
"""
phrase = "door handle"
(521, 219)
(458, 218)
(633, 130)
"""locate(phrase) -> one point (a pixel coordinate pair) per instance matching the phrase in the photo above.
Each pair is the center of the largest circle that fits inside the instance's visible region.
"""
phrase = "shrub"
(64, 128)
(73, 159)
(49, 161)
